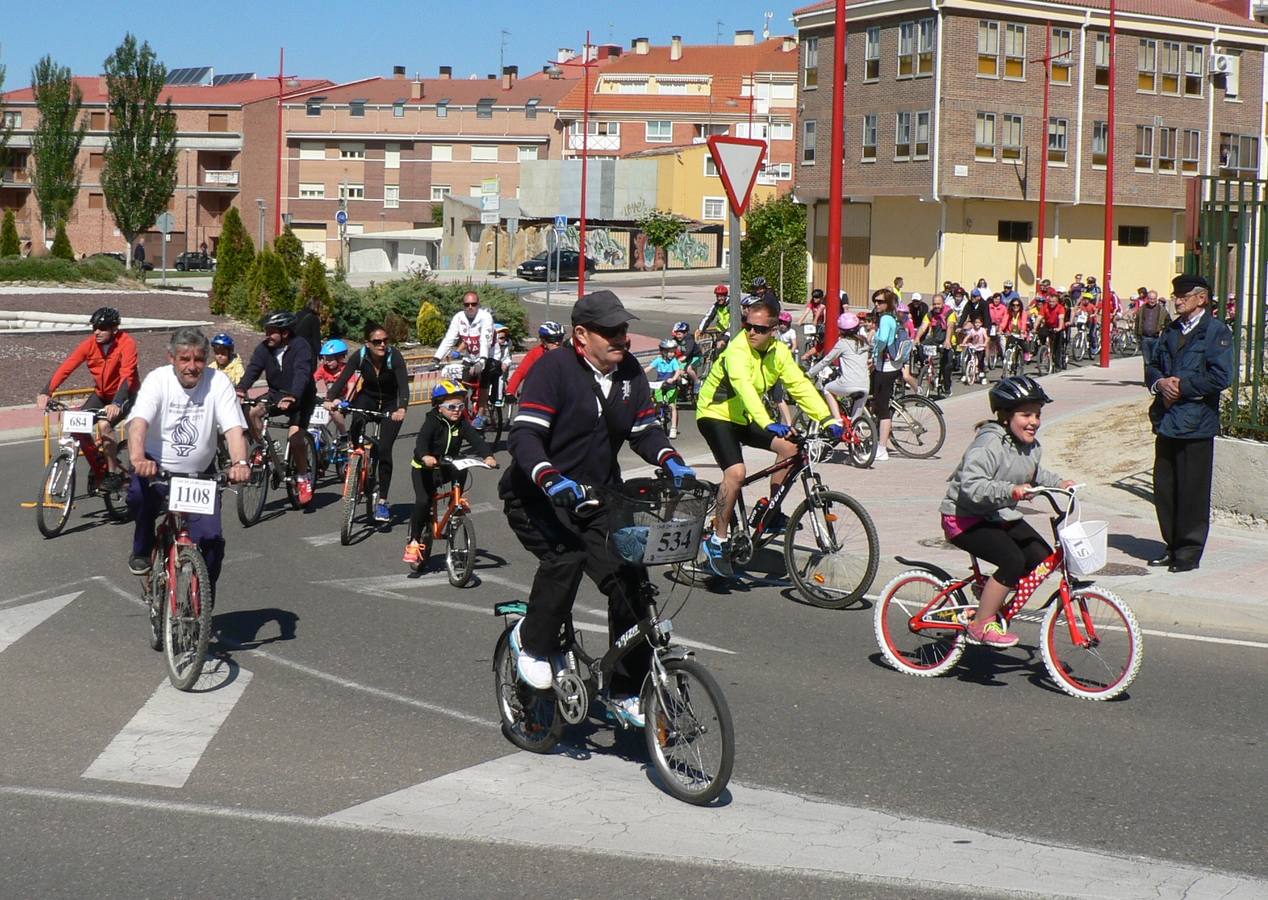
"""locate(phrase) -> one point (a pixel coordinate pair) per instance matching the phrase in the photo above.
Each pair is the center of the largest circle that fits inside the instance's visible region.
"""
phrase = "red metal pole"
(585, 146)
(836, 177)
(1043, 170)
(277, 197)
(1108, 286)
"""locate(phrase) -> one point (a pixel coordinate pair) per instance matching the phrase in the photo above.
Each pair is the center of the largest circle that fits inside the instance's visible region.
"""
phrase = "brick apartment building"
(944, 132)
(391, 149)
(227, 155)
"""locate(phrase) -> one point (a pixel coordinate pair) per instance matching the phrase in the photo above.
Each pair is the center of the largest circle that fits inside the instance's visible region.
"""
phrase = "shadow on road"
(240, 629)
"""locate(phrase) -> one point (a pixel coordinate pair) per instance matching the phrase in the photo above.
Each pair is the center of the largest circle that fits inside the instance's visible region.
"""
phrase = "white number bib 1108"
(669, 542)
(320, 416)
(77, 421)
(192, 495)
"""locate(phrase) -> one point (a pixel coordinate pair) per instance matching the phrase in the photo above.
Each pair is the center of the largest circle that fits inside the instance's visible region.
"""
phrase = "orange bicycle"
(454, 527)
(57, 486)
(360, 479)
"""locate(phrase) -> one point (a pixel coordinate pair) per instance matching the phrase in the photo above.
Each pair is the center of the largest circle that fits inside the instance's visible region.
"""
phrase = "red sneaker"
(305, 487)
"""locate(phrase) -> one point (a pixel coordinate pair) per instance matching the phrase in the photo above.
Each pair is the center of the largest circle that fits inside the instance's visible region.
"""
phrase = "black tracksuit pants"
(1182, 494)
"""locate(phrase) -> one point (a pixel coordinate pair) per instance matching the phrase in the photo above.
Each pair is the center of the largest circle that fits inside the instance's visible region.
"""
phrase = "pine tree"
(289, 248)
(10, 245)
(234, 255)
(268, 286)
(138, 172)
(61, 244)
(314, 291)
(56, 141)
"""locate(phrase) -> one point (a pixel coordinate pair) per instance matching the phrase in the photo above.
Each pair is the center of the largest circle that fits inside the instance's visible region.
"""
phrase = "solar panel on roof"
(188, 76)
(233, 78)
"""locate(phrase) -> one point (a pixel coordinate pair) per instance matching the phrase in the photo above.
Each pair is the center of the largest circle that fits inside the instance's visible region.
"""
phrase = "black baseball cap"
(602, 308)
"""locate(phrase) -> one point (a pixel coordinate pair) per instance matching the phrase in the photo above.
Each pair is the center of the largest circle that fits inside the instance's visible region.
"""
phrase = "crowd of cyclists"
(577, 409)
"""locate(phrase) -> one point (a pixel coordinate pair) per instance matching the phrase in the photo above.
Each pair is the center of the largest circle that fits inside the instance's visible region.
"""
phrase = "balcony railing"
(597, 142)
(15, 176)
(220, 177)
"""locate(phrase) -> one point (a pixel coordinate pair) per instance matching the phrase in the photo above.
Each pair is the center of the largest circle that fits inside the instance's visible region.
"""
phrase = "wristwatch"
(241, 462)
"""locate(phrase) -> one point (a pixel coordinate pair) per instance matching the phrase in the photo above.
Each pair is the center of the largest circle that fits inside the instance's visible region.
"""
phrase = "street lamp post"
(1043, 170)
(586, 64)
(259, 201)
(836, 176)
(1108, 286)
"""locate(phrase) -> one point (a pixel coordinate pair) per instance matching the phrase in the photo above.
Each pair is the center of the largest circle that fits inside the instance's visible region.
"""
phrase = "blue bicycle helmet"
(552, 332)
(222, 340)
(333, 347)
(681, 326)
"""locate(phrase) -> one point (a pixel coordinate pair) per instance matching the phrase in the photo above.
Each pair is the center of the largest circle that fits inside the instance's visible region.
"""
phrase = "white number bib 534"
(192, 495)
(672, 541)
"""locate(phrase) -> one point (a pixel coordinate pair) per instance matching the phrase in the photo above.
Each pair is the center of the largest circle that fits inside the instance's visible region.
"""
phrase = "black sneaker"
(113, 483)
(139, 565)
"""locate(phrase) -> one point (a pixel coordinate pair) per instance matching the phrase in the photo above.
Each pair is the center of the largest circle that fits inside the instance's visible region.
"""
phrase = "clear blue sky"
(344, 40)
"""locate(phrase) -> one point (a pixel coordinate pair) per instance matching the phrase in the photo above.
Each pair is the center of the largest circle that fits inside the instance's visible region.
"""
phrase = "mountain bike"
(177, 590)
(453, 524)
(1079, 342)
(689, 733)
(1015, 349)
(1123, 339)
(271, 467)
(917, 426)
(831, 551)
(360, 474)
(330, 447)
(57, 483)
(1089, 638)
(858, 432)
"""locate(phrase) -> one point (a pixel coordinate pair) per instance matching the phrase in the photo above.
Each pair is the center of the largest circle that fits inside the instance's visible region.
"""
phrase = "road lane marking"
(13, 601)
(322, 540)
(16, 621)
(167, 737)
(605, 804)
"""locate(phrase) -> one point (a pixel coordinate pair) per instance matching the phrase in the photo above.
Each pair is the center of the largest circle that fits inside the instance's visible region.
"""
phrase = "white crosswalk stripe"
(16, 621)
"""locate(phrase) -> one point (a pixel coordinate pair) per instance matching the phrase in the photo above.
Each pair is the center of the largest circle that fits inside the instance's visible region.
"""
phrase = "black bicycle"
(688, 730)
(272, 465)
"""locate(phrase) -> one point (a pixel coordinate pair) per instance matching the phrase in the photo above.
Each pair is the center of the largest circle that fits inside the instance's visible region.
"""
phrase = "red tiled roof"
(458, 91)
(234, 94)
(727, 63)
(1191, 10)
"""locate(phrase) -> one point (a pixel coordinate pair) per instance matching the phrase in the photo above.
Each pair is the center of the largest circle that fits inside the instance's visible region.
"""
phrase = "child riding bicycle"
(979, 513)
(669, 371)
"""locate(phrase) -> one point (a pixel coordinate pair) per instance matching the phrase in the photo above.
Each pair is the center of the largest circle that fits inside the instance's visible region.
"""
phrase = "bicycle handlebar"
(58, 406)
(1050, 494)
(345, 406)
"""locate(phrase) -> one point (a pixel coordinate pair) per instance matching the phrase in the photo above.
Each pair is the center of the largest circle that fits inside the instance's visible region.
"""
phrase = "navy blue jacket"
(294, 377)
(1203, 361)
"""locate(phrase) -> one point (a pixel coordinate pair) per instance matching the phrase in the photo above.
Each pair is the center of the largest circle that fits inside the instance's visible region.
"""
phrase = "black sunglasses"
(470, 304)
(377, 342)
(759, 329)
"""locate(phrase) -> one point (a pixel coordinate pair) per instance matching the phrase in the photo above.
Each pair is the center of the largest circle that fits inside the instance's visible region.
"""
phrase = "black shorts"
(96, 402)
(725, 439)
(299, 413)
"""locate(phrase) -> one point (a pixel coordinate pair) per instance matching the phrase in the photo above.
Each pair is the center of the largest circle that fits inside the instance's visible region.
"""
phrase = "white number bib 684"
(669, 542)
(77, 421)
(192, 495)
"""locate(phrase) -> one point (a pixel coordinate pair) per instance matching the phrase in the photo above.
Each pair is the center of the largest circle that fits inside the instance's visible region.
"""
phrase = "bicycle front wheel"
(351, 487)
(831, 550)
(917, 427)
(187, 620)
(530, 718)
(689, 733)
(926, 652)
(57, 492)
(862, 450)
(252, 494)
(1097, 656)
(461, 550)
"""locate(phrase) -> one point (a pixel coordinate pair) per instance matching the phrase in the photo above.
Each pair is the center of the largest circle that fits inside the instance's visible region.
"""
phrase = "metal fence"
(1232, 246)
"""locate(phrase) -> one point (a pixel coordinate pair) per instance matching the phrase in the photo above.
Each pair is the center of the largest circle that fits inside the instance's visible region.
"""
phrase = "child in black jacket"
(443, 434)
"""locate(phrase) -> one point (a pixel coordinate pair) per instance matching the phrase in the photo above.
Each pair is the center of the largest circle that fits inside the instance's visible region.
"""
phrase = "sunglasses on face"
(452, 407)
(377, 342)
(618, 331)
(471, 305)
(758, 329)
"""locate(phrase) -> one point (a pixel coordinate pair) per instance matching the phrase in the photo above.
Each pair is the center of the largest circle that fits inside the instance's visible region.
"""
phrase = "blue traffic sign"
(341, 217)
(561, 223)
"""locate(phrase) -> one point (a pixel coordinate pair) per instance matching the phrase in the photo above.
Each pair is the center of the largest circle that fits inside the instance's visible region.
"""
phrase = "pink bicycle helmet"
(847, 321)
(785, 318)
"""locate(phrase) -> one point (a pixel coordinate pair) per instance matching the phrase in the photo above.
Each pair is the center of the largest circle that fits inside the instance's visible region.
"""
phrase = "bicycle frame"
(457, 506)
(366, 447)
(170, 534)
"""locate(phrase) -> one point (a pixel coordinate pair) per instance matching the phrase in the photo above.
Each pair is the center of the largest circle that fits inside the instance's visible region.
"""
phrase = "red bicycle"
(1089, 638)
(177, 589)
(361, 470)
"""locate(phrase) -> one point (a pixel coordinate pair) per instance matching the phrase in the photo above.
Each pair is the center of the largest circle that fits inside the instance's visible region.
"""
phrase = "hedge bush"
(268, 286)
(101, 270)
(234, 255)
(61, 244)
(10, 243)
(291, 250)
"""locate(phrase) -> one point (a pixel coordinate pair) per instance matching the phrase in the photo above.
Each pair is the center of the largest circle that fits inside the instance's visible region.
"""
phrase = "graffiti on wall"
(688, 251)
(609, 249)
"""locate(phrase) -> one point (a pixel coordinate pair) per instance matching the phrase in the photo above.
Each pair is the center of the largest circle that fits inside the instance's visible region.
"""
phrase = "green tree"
(268, 286)
(61, 244)
(10, 245)
(774, 246)
(139, 167)
(662, 229)
(314, 291)
(291, 250)
(6, 130)
(55, 143)
(233, 258)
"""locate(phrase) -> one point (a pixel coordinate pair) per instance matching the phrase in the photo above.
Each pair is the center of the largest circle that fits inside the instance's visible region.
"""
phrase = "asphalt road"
(347, 743)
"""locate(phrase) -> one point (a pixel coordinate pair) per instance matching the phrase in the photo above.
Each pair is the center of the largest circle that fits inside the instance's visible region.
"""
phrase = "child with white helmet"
(850, 356)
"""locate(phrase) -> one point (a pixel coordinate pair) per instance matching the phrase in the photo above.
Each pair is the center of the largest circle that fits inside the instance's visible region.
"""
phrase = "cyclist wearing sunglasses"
(375, 379)
(471, 332)
(730, 412)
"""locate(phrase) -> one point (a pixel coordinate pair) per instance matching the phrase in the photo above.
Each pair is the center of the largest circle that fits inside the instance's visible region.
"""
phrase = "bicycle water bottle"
(759, 510)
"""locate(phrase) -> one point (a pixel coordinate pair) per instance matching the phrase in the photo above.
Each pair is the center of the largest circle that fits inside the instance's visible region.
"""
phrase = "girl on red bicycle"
(979, 514)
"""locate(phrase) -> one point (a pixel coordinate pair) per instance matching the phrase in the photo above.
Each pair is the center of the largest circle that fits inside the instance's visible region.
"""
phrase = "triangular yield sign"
(738, 161)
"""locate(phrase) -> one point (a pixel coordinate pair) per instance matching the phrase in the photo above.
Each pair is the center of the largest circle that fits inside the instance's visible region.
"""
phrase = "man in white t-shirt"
(178, 412)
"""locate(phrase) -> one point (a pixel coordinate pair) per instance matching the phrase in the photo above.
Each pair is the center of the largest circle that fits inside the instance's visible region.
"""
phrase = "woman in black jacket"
(443, 434)
(375, 378)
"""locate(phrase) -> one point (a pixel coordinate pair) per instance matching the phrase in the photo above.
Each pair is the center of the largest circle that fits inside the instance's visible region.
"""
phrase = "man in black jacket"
(287, 363)
(583, 402)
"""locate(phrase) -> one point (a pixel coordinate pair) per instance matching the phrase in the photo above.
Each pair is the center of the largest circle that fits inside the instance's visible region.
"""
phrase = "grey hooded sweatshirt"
(982, 484)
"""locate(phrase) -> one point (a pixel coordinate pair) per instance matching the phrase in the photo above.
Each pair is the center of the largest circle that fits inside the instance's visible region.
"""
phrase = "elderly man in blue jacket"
(1187, 369)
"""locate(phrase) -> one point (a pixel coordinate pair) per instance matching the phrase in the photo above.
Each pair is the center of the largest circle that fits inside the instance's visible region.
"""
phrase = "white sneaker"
(630, 712)
(881, 454)
(533, 670)
(673, 433)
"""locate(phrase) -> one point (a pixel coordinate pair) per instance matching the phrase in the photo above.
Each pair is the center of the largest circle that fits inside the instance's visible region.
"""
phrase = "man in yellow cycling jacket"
(730, 413)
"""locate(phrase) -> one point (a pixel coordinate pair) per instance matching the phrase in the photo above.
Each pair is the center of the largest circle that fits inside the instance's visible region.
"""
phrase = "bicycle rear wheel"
(1104, 666)
(926, 652)
(187, 620)
(57, 492)
(917, 428)
(862, 450)
(351, 486)
(460, 550)
(689, 733)
(831, 550)
(292, 471)
(530, 718)
(253, 493)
